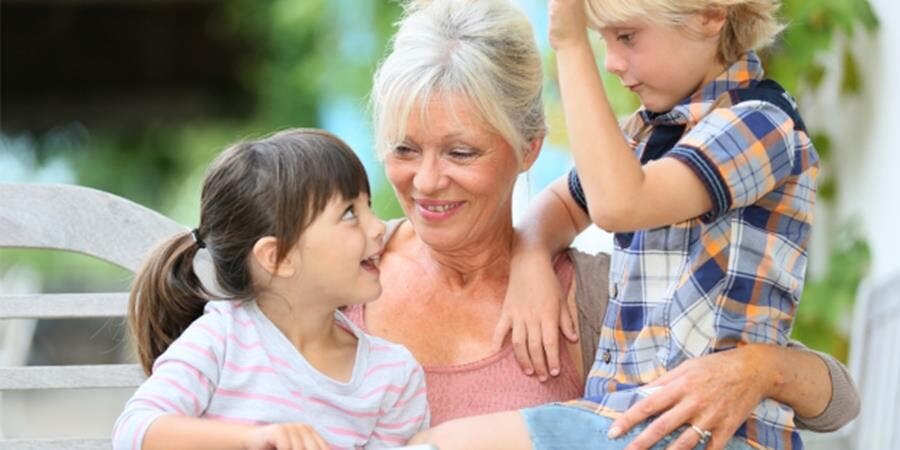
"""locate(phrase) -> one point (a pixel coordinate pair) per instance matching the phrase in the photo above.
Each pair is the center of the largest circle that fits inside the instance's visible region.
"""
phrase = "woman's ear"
(531, 153)
(265, 254)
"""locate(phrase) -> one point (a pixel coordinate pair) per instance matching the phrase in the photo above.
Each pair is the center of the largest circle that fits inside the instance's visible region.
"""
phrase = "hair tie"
(195, 233)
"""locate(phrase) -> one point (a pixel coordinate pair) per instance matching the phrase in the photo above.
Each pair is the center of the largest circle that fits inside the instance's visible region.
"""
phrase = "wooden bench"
(87, 221)
(97, 224)
(875, 366)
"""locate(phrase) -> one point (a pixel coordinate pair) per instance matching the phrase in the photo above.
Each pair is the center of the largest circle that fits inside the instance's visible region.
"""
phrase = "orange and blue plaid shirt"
(729, 277)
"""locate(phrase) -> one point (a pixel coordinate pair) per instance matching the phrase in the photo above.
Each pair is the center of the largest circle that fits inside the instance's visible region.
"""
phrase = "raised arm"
(621, 194)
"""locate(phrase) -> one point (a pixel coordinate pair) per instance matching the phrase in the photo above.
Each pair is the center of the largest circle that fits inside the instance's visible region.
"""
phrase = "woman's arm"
(843, 405)
(724, 388)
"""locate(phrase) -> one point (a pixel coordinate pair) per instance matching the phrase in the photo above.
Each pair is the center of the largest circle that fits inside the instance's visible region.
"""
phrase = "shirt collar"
(740, 74)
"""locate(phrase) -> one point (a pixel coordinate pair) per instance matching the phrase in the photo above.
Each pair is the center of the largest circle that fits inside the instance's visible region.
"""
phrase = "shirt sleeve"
(407, 416)
(844, 404)
(739, 153)
(183, 381)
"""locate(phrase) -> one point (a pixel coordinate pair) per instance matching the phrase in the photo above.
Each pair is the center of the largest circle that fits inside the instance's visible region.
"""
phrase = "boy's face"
(662, 64)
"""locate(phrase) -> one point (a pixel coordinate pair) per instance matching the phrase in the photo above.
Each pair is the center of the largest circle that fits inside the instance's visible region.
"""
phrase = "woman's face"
(453, 175)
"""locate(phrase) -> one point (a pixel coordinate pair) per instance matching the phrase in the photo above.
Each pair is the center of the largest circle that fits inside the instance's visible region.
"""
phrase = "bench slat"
(46, 444)
(71, 377)
(56, 306)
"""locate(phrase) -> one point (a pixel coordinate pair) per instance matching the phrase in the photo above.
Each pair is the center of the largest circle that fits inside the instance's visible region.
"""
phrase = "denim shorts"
(560, 427)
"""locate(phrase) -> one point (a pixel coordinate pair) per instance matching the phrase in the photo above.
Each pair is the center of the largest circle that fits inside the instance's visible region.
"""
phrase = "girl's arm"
(408, 413)
(181, 432)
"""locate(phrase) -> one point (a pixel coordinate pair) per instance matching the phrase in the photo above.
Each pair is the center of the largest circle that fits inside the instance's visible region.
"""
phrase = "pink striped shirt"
(232, 364)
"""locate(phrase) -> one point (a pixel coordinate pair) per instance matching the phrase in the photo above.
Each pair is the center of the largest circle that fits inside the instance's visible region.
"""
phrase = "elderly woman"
(458, 116)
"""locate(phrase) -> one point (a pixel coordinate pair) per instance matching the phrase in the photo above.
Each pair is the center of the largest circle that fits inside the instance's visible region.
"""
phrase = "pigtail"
(166, 297)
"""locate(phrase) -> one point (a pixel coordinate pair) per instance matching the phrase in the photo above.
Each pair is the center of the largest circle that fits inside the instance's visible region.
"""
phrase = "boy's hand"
(533, 310)
(285, 436)
(568, 24)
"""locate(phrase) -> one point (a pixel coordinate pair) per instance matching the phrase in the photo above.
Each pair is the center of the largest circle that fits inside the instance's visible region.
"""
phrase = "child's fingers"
(500, 332)
(567, 324)
(551, 347)
(536, 350)
(520, 347)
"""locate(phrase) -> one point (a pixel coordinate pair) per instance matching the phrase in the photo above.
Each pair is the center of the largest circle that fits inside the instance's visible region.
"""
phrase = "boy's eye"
(625, 38)
(349, 213)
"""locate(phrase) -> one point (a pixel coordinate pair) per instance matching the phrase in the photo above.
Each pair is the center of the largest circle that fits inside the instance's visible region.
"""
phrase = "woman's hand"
(567, 23)
(534, 310)
(285, 436)
(714, 392)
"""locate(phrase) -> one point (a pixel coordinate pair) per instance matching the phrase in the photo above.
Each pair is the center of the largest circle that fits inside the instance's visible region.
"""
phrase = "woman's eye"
(349, 214)
(403, 150)
(462, 153)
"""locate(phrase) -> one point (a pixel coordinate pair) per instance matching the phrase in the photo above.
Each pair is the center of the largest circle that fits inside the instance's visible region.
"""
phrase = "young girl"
(271, 363)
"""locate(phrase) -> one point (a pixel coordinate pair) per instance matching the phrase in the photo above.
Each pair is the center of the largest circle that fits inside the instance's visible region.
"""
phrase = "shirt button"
(606, 357)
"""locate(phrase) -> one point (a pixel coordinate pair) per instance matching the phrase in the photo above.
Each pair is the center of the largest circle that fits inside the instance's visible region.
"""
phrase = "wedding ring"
(704, 435)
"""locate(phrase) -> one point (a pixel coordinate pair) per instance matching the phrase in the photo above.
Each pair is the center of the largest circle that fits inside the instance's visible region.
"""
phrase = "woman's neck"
(485, 258)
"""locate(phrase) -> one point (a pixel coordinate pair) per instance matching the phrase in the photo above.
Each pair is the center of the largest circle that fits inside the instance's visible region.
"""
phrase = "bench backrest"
(81, 220)
(875, 364)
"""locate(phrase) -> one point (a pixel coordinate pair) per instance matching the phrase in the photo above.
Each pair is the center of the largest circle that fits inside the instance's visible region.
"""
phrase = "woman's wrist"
(798, 379)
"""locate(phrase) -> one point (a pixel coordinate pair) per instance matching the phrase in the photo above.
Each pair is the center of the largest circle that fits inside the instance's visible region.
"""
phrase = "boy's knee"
(420, 437)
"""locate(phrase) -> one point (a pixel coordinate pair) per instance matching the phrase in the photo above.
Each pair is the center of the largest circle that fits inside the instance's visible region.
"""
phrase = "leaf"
(850, 79)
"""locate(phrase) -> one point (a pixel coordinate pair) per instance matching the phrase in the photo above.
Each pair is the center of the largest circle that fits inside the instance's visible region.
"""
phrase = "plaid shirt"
(729, 277)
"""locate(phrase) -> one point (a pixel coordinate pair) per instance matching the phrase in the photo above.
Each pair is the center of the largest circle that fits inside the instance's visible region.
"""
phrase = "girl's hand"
(568, 24)
(715, 392)
(285, 436)
(534, 309)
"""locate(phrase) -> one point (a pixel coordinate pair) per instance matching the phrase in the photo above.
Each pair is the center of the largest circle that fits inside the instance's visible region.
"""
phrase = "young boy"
(709, 188)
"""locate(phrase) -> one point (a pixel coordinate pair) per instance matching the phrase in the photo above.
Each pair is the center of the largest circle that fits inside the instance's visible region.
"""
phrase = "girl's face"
(339, 252)
(661, 64)
(453, 175)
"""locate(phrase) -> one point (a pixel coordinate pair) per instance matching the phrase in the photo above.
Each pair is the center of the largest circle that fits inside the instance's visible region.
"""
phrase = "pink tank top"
(495, 383)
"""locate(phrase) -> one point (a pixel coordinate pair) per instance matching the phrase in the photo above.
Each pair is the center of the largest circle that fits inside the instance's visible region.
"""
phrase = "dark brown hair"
(275, 186)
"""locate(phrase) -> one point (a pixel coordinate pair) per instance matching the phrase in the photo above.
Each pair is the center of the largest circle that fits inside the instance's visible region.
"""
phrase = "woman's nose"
(429, 176)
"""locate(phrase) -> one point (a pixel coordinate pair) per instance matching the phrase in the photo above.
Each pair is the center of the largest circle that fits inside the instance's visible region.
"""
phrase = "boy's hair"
(749, 25)
(483, 50)
(275, 186)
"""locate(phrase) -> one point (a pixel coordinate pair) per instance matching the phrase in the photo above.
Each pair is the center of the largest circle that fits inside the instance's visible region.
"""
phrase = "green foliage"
(827, 302)
(309, 50)
(812, 27)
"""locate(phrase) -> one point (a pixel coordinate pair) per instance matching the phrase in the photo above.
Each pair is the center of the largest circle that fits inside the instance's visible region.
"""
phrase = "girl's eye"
(349, 213)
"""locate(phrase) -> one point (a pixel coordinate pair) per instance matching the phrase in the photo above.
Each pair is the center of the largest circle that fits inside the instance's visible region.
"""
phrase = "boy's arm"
(621, 194)
(533, 307)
